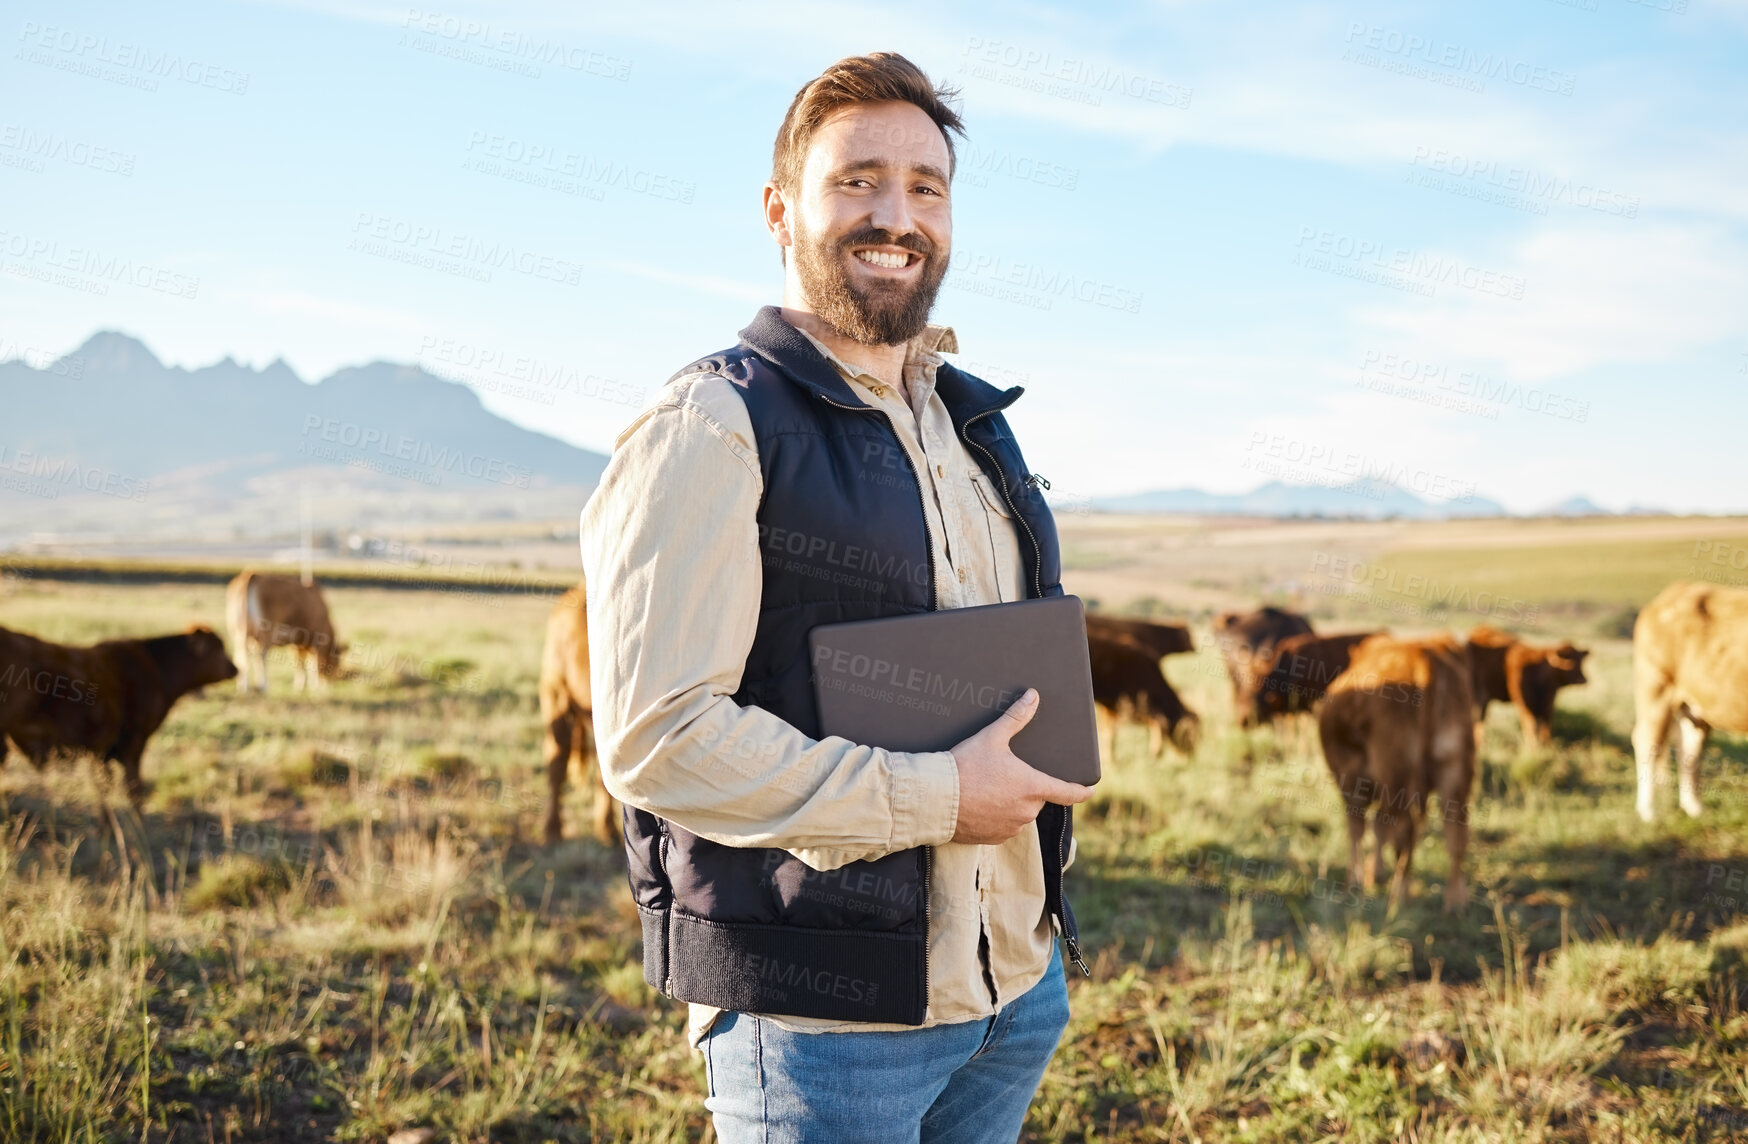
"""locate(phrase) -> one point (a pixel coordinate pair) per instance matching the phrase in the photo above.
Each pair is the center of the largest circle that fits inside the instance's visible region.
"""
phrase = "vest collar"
(786, 348)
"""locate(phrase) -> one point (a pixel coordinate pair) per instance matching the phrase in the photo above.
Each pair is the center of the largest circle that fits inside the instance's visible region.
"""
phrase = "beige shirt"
(671, 556)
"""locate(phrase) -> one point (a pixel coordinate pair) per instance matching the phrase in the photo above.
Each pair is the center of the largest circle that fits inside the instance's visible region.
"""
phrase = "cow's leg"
(1107, 720)
(240, 657)
(1401, 835)
(560, 742)
(1356, 840)
(1650, 733)
(1692, 744)
(260, 650)
(1536, 731)
(605, 817)
(1156, 736)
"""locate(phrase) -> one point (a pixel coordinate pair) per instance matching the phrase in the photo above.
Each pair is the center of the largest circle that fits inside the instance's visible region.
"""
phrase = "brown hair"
(882, 77)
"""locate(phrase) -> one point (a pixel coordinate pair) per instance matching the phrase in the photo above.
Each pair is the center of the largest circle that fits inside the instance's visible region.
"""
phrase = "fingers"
(1015, 718)
(1063, 793)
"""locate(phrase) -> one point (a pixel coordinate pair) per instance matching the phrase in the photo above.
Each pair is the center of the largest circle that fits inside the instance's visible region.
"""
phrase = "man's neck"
(884, 362)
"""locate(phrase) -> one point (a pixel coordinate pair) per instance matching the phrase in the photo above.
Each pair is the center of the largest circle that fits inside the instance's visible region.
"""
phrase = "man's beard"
(873, 314)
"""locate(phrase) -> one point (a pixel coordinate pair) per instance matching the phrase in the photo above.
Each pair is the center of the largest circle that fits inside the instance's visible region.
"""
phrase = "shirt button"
(961, 575)
(940, 470)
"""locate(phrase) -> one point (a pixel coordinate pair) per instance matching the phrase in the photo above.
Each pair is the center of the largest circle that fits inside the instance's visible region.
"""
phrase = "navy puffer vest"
(843, 537)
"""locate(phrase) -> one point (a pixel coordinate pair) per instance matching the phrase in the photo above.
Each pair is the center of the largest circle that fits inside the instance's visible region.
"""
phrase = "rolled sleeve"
(671, 563)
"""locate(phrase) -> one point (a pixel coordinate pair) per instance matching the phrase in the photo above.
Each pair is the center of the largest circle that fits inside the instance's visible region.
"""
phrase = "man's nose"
(891, 211)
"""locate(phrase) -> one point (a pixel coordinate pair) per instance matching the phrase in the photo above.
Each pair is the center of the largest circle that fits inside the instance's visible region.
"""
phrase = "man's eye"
(929, 190)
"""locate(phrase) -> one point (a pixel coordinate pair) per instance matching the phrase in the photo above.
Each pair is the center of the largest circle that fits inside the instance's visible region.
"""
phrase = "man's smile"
(887, 257)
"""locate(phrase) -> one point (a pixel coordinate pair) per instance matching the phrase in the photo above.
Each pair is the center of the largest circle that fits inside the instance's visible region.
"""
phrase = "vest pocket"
(1004, 537)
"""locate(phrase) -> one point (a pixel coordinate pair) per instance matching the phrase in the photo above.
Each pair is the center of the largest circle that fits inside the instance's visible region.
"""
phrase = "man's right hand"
(999, 795)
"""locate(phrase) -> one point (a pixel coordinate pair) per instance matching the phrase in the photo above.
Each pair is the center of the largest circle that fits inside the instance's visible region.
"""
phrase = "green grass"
(334, 920)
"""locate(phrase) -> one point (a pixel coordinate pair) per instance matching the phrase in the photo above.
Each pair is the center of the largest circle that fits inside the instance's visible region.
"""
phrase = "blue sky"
(1499, 247)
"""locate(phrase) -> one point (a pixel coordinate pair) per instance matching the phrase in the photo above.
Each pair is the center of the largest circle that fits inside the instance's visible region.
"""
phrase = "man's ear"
(777, 219)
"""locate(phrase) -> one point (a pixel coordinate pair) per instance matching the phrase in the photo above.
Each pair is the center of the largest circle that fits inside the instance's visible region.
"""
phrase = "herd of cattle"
(1399, 720)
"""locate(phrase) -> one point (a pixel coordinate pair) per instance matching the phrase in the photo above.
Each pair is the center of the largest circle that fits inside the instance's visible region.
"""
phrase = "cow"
(1690, 668)
(1533, 675)
(1159, 639)
(1243, 636)
(1294, 675)
(1395, 729)
(105, 700)
(566, 711)
(266, 610)
(1128, 684)
(1486, 648)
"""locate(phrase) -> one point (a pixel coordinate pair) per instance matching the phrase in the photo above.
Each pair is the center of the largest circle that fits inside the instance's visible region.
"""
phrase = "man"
(867, 937)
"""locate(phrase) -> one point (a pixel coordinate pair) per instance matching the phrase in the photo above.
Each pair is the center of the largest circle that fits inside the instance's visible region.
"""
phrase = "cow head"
(328, 659)
(1567, 665)
(209, 661)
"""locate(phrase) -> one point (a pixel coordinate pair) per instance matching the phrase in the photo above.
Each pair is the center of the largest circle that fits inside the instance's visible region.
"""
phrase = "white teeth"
(882, 258)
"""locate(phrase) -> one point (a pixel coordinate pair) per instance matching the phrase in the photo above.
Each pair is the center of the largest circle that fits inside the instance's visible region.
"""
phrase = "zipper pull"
(1074, 952)
(1037, 480)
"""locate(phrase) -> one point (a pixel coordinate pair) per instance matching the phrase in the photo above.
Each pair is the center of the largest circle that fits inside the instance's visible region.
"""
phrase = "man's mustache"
(874, 236)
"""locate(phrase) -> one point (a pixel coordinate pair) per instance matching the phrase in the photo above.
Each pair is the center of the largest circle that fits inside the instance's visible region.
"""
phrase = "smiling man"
(867, 937)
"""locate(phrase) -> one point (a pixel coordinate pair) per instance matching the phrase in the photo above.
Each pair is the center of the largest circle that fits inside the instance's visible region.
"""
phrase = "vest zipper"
(1069, 937)
(934, 600)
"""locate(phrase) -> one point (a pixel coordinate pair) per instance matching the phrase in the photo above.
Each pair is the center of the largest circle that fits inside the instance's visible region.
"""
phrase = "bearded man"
(866, 938)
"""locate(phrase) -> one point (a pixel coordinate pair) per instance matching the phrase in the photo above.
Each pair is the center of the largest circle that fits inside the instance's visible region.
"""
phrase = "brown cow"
(1690, 667)
(1533, 675)
(105, 700)
(1159, 639)
(566, 711)
(1486, 648)
(266, 610)
(1243, 636)
(1128, 684)
(1294, 675)
(1396, 728)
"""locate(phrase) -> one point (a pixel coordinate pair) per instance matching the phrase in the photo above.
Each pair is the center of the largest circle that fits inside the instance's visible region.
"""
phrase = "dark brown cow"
(1533, 675)
(1243, 636)
(1294, 675)
(567, 712)
(1690, 670)
(266, 610)
(1128, 684)
(1396, 728)
(1486, 648)
(105, 700)
(1158, 639)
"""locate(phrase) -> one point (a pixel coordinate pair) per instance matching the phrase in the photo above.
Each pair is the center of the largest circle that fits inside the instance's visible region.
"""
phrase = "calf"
(266, 610)
(105, 700)
(1486, 649)
(1690, 668)
(566, 711)
(1127, 684)
(1244, 636)
(1295, 674)
(1533, 675)
(1396, 728)
(1158, 639)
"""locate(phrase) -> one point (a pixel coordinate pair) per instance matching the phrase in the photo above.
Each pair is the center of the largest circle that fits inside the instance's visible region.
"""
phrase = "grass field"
(334, 919)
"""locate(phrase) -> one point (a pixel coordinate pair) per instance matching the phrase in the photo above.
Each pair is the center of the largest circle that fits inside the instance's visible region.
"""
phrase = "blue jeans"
(965, 1083)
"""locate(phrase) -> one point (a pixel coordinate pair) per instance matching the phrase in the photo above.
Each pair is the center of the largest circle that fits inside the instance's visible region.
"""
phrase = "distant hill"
(166, 442)
(1361, 498)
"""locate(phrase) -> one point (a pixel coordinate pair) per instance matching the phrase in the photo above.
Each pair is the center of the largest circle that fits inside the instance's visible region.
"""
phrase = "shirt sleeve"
(671, 564)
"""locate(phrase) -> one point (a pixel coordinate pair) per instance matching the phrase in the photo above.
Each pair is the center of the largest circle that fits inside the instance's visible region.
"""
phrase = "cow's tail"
(237, 610)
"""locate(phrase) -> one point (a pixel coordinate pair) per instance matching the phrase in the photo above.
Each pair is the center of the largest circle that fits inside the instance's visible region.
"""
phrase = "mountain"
(206, 444)
(1575, 506)
(1363, 498)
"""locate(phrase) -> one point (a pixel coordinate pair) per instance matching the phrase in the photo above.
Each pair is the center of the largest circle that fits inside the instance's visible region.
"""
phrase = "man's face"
(872, 222)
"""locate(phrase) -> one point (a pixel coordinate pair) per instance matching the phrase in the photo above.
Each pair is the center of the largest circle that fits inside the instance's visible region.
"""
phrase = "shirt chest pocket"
(1004, 537)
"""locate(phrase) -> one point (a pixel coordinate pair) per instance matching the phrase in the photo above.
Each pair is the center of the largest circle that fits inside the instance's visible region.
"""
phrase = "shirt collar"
(923, 351)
